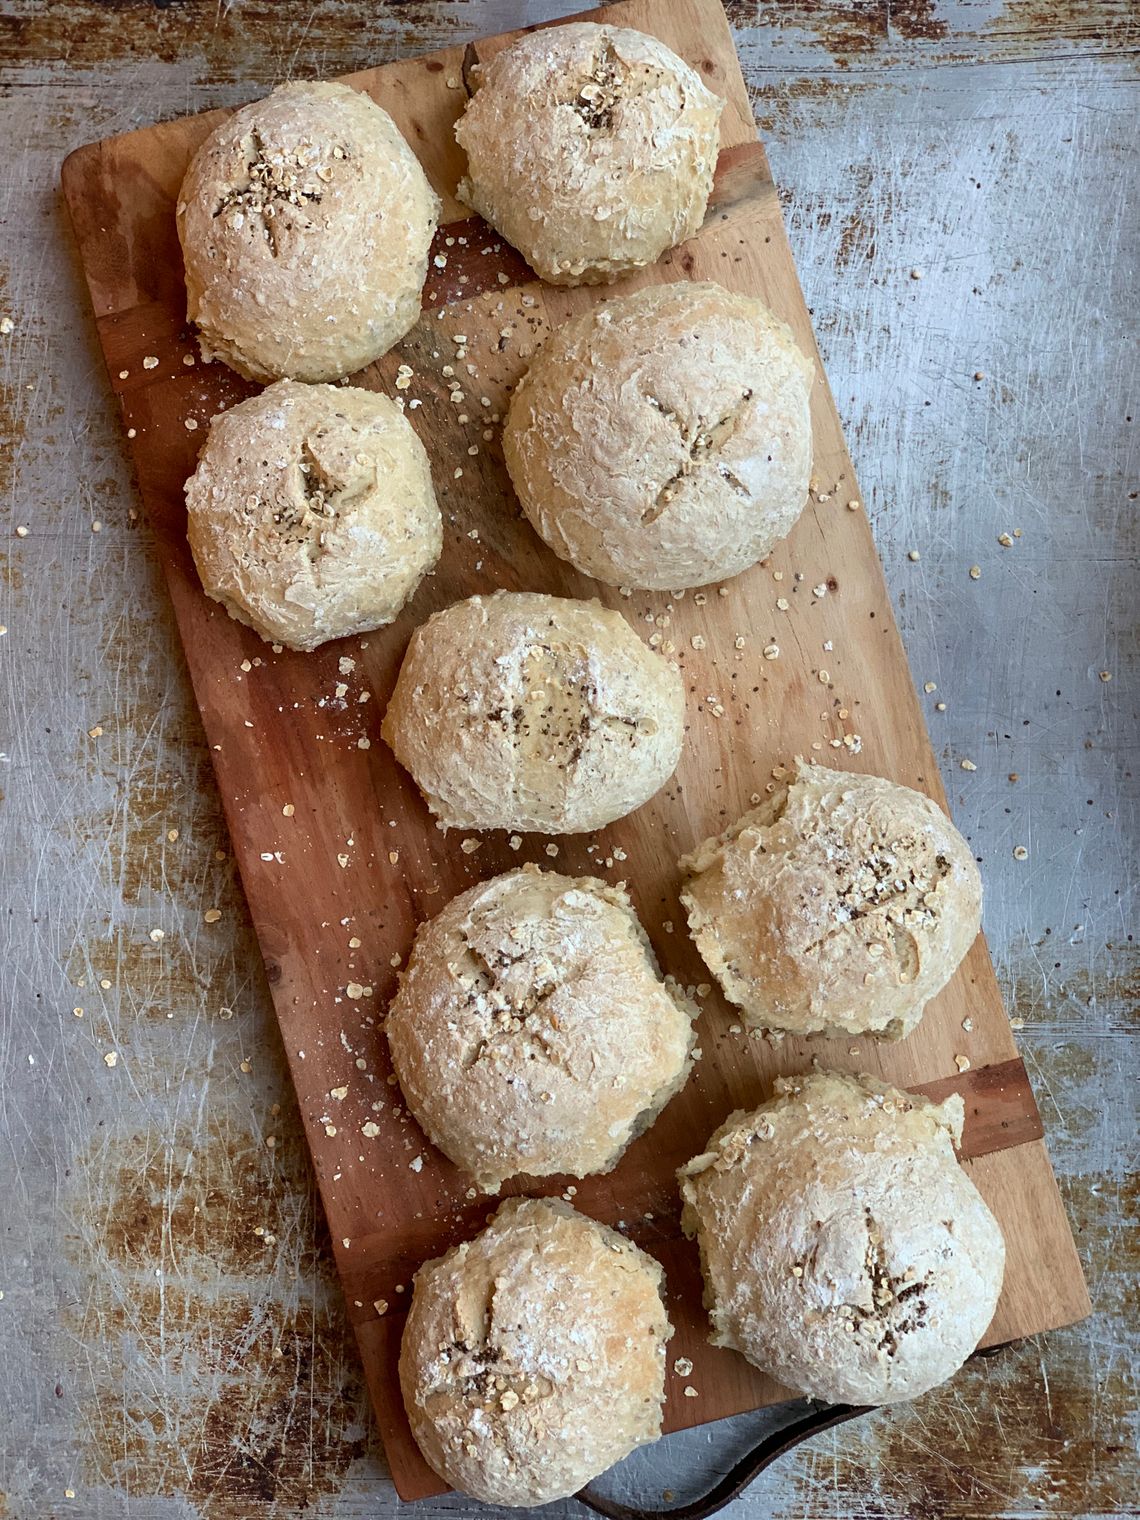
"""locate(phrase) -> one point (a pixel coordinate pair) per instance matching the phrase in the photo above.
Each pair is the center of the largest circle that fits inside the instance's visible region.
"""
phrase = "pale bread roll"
(845, 1252)
(305, 222)
(311, 514)
(663, 439)
(532, 1032)
(533, 1357)
(533, 712)
(590, 148)
(839, 906)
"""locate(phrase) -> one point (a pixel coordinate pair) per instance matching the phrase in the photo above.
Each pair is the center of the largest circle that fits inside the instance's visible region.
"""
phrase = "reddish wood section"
(337, 884)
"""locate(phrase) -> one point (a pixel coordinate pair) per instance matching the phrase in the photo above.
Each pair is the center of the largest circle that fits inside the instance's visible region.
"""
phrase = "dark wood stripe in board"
(1001, 1111)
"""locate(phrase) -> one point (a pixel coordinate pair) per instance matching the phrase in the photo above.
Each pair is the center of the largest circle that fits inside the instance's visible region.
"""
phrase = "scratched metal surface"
(172, 1344)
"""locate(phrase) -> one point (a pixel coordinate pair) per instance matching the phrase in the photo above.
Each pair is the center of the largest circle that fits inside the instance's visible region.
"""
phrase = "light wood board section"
(360, 856)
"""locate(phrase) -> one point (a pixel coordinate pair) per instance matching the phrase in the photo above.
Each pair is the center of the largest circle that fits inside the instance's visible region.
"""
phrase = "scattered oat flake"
(975, 572)
(339, 1093)
(1020, 852)
(6, 325)
(96, 732)
(691, 1392)
(341, 860)
(469, 846)
(393, 857)
(967, 765)
(330, 1130)
(370, 1129)
(1105, 675)
(191, 425)
(782, 603)
(111, 1058)
(914, 556)
(380, 1305)
(157, 934)
(771, 651)
(212, 915)
(682, 1366)
(929, 686)
(697, 641)
(416, 1164)
(962, 1063)
(1005, 540)
(150, 362)
(354, 990)
(552, 850)
(21, 531)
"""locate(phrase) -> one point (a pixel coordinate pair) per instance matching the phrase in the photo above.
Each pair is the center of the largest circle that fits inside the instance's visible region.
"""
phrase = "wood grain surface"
(358, 858)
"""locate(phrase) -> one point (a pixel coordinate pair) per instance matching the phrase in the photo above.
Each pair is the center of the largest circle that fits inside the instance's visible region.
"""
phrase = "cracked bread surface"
(663, 439)
(532, 1031)
(305, 221)
(311, 513)
(844, 1250)
(533, 1357)
(526, 711)
(590, 148)
(841, 905)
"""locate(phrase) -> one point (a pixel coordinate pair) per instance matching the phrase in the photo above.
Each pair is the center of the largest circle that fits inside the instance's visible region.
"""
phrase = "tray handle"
(737, 1479)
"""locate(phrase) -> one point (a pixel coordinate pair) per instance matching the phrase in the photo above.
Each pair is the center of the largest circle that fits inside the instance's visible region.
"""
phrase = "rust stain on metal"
(857, 27)
(329, 37)
(1108, 25)
(221, 1363)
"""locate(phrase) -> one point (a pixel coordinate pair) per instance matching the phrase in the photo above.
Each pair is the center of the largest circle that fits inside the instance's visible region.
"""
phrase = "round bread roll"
(845, 1252)
(663, 439)
(311, 515)
(533, 1357)
(532, 1031)
(591, 149)
(525, 711)
(305, 222)
(839, 906)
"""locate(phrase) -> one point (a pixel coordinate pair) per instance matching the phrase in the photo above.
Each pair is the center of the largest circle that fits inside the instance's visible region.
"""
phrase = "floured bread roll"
(532, 1031)
(311, 514)
(663, 439)
(845, 1252)
(305, 222)
(842, 905)
(591, 149)
(533, 1357)
(525, 711)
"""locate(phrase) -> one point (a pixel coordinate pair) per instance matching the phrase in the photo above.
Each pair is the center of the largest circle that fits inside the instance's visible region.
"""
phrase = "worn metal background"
(172, 1343)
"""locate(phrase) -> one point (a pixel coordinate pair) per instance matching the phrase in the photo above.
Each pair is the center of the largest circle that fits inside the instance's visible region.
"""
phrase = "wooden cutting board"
(339, 857)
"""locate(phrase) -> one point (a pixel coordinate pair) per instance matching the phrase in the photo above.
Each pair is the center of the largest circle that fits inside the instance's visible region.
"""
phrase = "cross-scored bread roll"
(845, 1252)
(533, 1357)
(311, 514)
(305, 222)
(532, 1032)
(590, 148)
(534, 712)
(841, 905)
(663, 439)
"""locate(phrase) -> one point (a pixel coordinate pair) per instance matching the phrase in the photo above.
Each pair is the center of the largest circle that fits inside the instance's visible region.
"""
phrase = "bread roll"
(840, 906)
(663, 439)
(525, 711)
(532, 1031)
(533, 1357)
(311, 514)
(305, 222)
(845, 1252)
(591, 149)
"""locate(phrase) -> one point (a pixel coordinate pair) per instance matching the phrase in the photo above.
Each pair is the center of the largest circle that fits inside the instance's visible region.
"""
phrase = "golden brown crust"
(311, 514)
(845, 1251)
(305, 222)
(663, 439)
(534, 1355)
(842, 906)
(532, 1032)
(525, 711)
(591, 149)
